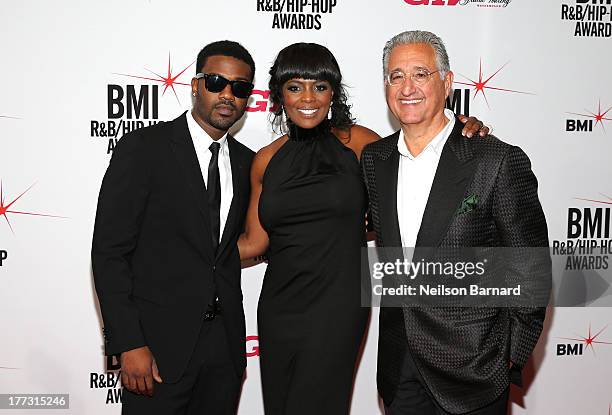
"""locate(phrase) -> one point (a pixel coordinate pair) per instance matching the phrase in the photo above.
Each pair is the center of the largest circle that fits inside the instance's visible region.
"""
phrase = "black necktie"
(214, 193)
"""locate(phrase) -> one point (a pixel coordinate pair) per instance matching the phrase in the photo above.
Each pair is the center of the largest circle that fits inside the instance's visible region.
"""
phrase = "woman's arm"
(356, 138)
(254, 241)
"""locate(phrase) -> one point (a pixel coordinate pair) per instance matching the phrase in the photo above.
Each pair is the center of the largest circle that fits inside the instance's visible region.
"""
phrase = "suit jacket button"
(214, 267)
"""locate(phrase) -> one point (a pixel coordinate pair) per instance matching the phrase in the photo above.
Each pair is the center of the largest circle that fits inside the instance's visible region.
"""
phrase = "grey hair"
(418, 36)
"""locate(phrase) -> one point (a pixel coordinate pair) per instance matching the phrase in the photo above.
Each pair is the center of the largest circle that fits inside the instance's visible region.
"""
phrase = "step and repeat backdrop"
(78, 75)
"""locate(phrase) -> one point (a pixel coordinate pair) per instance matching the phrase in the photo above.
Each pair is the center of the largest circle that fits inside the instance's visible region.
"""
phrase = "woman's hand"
(254, 241)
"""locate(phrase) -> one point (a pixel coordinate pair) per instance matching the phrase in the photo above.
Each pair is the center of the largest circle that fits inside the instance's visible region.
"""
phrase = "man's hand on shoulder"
(138, 370)
(472, 126)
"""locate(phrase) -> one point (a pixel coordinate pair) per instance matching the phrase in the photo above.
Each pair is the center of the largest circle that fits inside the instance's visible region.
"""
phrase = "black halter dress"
(310, 319)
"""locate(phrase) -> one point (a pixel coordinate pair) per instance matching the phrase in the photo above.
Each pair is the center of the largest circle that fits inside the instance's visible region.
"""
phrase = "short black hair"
(309, 61)
(225, 48)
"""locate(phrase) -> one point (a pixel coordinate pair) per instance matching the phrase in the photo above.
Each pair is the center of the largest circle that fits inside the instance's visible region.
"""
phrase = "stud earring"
(193, 93)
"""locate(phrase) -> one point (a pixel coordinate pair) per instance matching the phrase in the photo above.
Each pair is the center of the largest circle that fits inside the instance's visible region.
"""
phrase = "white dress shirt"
(202, 142)
(415, 176)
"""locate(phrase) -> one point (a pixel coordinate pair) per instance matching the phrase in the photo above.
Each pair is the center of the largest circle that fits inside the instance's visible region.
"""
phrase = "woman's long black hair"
(314, 62)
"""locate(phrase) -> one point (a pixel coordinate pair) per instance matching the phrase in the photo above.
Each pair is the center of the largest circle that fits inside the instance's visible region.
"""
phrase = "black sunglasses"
(217, 83)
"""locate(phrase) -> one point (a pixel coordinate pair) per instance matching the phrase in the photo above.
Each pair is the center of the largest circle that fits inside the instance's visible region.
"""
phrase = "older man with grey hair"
(448, 360)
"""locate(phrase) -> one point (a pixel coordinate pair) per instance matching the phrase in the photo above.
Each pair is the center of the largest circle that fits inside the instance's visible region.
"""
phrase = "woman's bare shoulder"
(356, 138)
(363, 134)
(265, 154)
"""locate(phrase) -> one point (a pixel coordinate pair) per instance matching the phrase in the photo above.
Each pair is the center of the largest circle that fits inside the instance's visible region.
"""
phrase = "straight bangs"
(306, 61)
(313, 62)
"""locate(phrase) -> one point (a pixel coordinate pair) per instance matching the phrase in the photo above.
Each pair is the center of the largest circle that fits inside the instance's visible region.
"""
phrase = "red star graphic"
(590, 339)
(605, 202)
(168, 81)
(4, 209)
(599, 117)
(480, 85)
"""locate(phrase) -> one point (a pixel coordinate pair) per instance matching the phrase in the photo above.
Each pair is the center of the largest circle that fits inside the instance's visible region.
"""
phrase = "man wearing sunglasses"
(164, 255)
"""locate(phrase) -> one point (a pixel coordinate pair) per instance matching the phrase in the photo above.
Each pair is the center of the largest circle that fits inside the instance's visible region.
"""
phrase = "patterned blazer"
(462, 354)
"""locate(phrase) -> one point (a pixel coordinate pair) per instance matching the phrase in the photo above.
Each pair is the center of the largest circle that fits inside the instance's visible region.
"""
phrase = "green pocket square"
(468, 204)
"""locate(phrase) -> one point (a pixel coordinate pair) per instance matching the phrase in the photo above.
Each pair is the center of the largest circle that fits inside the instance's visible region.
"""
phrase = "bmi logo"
(297, 14)
(133, 106)
(588, 245)
(591, 18)
(110, 380)
(590, 222)
(588, 120)
(459, 101)
(580, 343)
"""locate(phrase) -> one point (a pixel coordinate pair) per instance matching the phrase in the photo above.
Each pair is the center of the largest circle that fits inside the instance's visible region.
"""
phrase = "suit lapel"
(453, 175)
(238, 177)
(386, 182)
(184, 152)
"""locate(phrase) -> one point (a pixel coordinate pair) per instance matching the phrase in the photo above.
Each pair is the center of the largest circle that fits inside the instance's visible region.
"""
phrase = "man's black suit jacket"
(154, 268)
(462, 354)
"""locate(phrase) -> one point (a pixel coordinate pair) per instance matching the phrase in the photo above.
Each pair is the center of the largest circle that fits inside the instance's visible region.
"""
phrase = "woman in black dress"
(307, 212)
